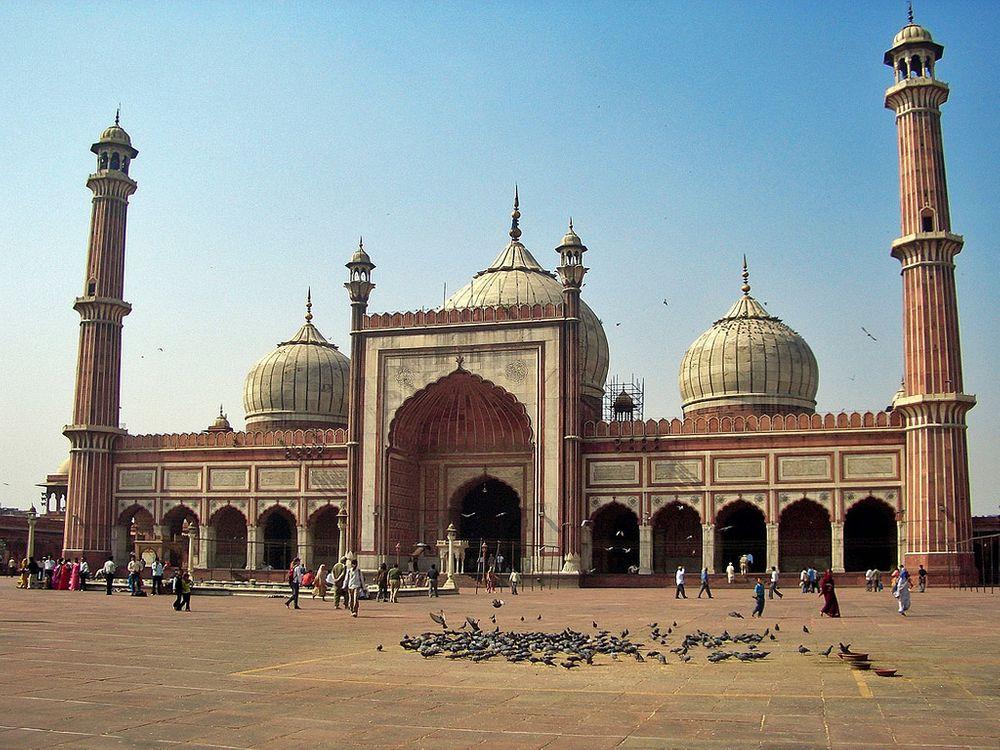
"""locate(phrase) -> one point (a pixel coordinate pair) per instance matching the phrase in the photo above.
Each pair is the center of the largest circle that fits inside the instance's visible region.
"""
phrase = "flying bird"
(868, 334)
(805, 629)
(619, 533)
(439, 619)
(497, 603)
(844, 649)
(468, 515)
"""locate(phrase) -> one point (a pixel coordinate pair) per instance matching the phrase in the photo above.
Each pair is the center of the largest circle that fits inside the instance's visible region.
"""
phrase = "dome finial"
(909, 11)
(220, 411)
(746, 277)
(309, 304)
(118, 113)
(571, 223)
(515, 230)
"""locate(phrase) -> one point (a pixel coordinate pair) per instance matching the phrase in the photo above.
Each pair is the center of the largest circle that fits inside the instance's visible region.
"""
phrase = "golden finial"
(746, 277)
(309, 305)
(515, 230)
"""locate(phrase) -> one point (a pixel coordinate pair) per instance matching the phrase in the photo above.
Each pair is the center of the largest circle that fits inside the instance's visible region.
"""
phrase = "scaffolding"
(623, 399)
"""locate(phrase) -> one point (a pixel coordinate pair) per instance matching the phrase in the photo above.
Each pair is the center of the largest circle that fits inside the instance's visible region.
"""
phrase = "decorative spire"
(909, 11)
(746, 277)
(220, 412)
(515, 230)
(571, 223)
(118, 113)
(309, 305)
(361, 243)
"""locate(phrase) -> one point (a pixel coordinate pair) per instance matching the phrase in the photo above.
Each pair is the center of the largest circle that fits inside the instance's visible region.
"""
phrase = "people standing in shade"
(758, 595)
(108, 571)
(921, 579)
(730, 572)
(134, 568)
(499, 562)
(177, 589)
(382, 582)
(339, 590)
(744, 565)
(679, 581)
(869, 579)
(491, 581)
(319, 586)
(49, 565)
(515, 582)
(876, 580)
(432, 581)
(831, 607)
(84, 573)
(395, 578)
(295, 575)
(156, 569)
(902, 590)
(12, 568)
(186, 586)
(354, 581)
(74, 575)
(705, 587)
(774, 584)
(804, 581)
(813, 580)
(56, 579)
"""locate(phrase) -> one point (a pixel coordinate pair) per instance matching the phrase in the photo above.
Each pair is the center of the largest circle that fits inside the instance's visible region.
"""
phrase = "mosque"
(482, 421)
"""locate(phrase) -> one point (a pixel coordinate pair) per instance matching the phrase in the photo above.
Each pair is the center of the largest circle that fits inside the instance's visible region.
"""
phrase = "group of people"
(826, 588)
(60, 574)
(491, 580)
(345, 579)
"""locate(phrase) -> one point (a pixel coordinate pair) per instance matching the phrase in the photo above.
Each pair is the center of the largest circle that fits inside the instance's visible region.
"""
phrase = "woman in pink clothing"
(74, 575)
(57, 575)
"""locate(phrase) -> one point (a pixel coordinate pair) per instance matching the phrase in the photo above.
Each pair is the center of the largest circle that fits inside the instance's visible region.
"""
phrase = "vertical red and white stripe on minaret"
(89, 502)
(938, 518)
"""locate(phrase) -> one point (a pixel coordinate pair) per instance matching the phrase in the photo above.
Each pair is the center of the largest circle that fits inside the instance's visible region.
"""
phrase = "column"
(645, 549)
(450, 581)
(900, 541)
(304, 542)
(772, 545)
(251, 546)
(32, 517)
(837, 546)
(206, 553)
(708, 546)
(192, 546)
(586, 549)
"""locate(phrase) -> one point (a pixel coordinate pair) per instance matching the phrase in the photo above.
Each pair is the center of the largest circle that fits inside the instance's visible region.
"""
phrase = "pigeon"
(378, 647)
(685, 657)
(522, 618)
(661, 658)
(497, 603)
(828, 650)
(805, 629)
(767, 631)
(594, 623)
(803, 650)
(625, 633)
(844, 649)
(493, 619)
(569, 664)
(474, 624)
(736, 614)
(439, 619)
(674, 623)
(772, 637)
(653, 625)
(539, 617)
(670, 630)
(776, 628)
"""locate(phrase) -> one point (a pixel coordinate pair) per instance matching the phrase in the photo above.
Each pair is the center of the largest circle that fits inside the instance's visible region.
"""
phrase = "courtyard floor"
(82, 670)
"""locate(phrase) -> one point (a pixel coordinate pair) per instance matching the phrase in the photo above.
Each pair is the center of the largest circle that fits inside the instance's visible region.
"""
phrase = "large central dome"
(516, 278)
(749, 362)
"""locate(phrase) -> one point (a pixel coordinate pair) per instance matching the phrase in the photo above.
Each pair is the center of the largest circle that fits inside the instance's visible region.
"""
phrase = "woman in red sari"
(74, 575)
(57, 575)
(831, 608)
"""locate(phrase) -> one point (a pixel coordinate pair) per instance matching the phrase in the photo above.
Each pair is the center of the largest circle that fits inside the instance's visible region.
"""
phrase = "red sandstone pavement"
(81, 670)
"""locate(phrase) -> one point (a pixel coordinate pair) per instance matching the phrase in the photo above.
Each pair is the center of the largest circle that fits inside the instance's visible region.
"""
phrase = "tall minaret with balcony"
(90, 505)
(938, 514)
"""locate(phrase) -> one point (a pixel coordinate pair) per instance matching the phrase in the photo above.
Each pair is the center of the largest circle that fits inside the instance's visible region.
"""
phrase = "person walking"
(295, 575)
(902, 590)
(893, 580)
(84, 573)
(744, 565)
(705, 587)
(921, 579)
(876, 580)
(108, 571)
(432, 581)
(319, 585)
(730, 572)
(354, 581)
(831, 607)
(679, 581)
(186, 586)
(515, 582)
(804, 581)
(339, 591)
(774, 584)
(491, 581)
(869, 579)
(395, 577)
(758, 595)
(177, 589)
(382, 582)
(156, 588)
(813, 580)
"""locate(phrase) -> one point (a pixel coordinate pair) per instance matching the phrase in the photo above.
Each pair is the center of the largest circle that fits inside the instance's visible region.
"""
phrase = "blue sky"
(678, 135)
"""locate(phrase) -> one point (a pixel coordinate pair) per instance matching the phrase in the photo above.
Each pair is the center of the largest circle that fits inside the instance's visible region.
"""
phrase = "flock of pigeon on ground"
(570, 648)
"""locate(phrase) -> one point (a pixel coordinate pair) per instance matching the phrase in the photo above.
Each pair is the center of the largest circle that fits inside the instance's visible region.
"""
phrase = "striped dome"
(303, 383)
(749, 361)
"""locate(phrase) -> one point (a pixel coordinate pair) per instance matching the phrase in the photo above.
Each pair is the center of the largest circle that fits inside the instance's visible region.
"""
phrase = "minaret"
(359, 285)
(90, 505)
(938, 514)
(571, 272)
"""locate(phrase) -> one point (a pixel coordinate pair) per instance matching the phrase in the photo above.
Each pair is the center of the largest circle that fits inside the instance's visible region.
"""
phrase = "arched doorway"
(135, 525)
(804, 537)
(179, 522)
(230, 527)
(870, 536)
(740, 530)
(676, 538)
(489, 512)
(615, 539)
(325, 536)
(280, 544)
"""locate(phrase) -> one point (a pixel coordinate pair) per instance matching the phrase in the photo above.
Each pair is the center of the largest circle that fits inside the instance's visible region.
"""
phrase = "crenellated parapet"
(751, 423)
(459, 316)
(275, 438)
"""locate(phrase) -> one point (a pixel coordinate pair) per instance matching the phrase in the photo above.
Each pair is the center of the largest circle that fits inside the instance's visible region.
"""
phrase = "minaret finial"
(746, 277)
(515, 230)
(909, 11)
(118, 113)
(361, 242)
(220, 411)
(309, 305)
(571, 223)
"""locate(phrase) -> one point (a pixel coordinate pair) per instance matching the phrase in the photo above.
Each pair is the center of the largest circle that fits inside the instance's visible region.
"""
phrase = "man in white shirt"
(50, 565)
(109, 574)
(84, 573)
(730, 572)
(157, 572)
(295, 581)
(774, 585)
(679, 580)
(354, 581)
(134, 568)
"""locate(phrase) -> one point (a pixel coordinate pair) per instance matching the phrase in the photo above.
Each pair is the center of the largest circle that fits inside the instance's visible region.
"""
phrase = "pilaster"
(708, 546)
(645, 549)
(837, 546)
(772, 545)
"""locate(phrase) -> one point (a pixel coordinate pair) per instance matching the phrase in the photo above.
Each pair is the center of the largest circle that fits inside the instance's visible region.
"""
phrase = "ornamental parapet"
(742, 424)
(293, 439)
(461, 316)
(916, 94)
(927, 248)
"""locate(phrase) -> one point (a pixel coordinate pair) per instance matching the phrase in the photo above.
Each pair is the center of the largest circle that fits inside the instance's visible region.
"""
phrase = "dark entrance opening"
(490, 514)
(179, 523)
(615, 539)
(740, 530)
(325, 537)
(279, 539)
(804, 537)
(676, 538)
(870, 536)
(230, 538)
